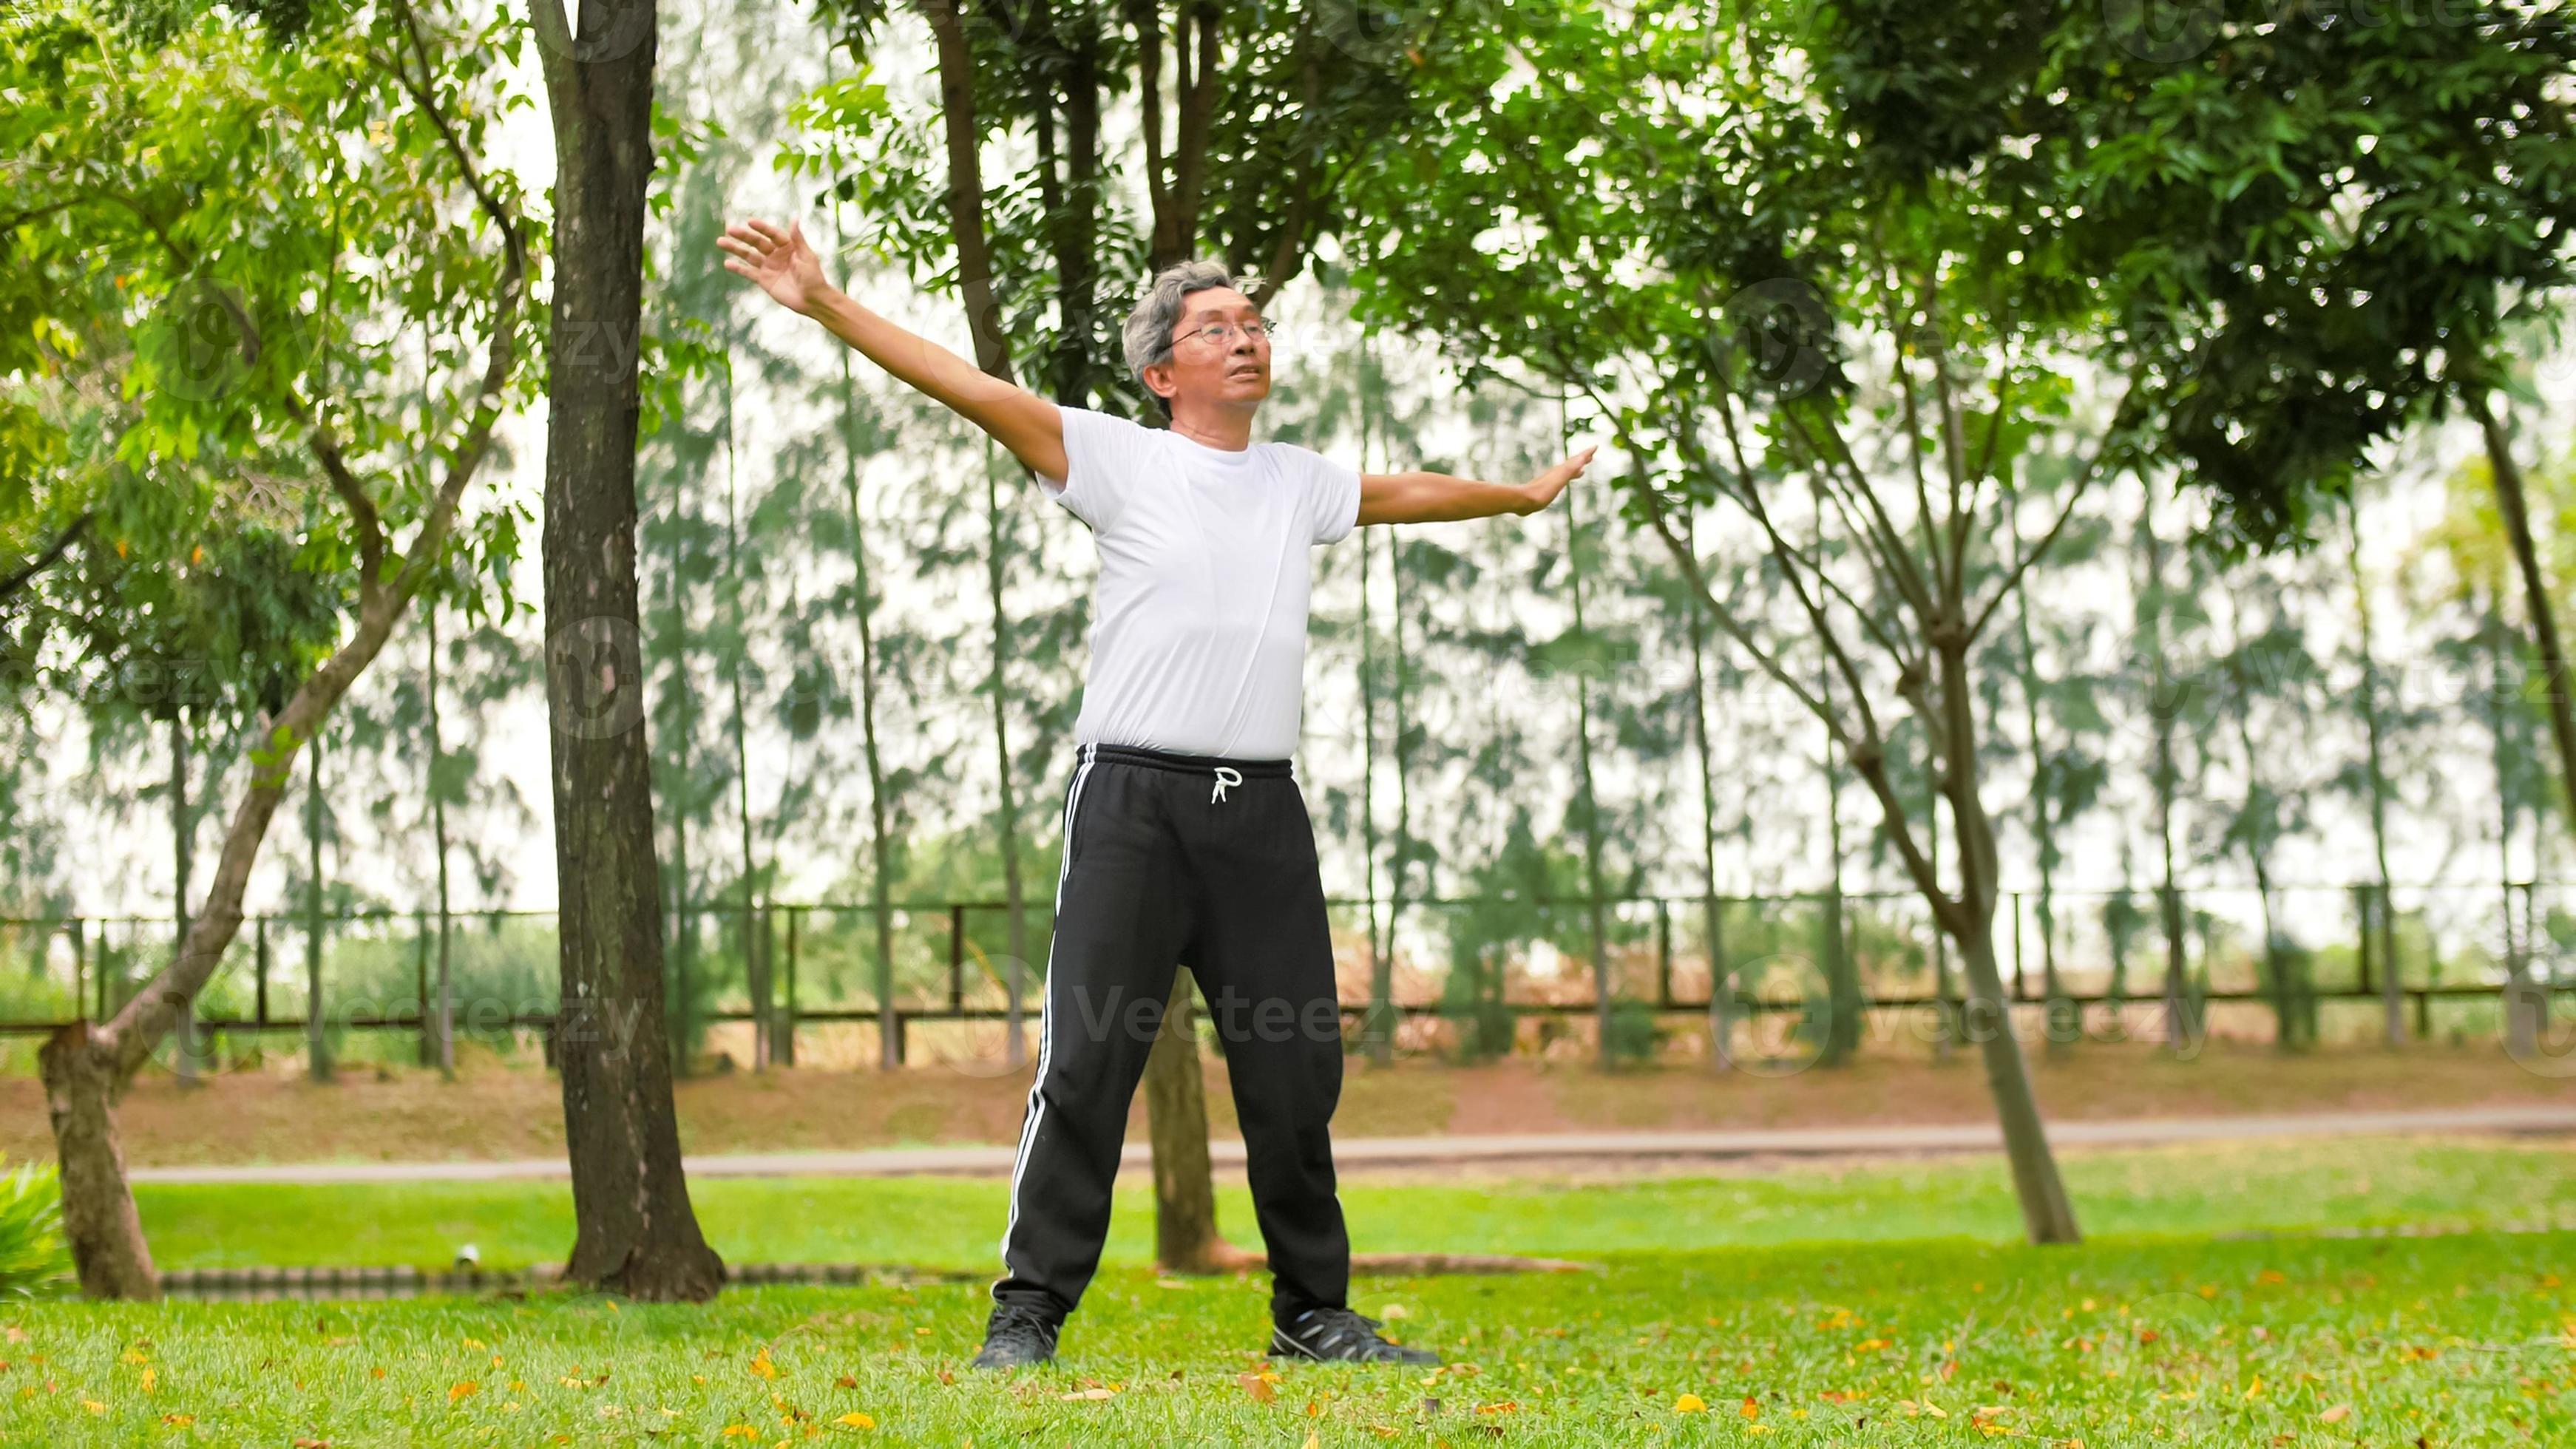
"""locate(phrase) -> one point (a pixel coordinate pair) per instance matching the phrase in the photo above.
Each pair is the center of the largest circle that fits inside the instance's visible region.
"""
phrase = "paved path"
(1590, 1148)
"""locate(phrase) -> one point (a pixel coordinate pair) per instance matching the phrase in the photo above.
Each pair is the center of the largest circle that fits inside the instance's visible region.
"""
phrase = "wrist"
(817, 300)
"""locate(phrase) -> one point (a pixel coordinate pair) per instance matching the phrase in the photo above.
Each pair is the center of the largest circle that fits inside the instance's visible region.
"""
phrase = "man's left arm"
(1439, 498)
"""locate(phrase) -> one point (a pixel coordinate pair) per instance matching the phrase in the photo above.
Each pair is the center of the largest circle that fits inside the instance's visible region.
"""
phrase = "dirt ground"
(499, 1112)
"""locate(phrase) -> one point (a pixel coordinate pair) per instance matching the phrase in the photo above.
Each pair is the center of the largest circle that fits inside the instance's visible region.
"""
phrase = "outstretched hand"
(780, 261)
(1542, 490)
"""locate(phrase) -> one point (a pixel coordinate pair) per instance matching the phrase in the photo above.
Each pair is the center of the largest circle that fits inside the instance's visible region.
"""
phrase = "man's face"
(1220, 354)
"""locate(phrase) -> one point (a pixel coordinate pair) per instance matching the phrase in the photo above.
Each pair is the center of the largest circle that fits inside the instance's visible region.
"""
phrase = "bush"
(1633, 1034)
(32, 1258)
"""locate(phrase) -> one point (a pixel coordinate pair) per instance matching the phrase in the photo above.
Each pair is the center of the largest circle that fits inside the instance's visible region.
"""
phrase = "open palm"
(782, 262)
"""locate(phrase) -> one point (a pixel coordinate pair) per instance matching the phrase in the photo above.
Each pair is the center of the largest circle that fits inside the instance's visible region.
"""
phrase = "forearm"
(920, 363)
(1019, 420)
(1439, 498)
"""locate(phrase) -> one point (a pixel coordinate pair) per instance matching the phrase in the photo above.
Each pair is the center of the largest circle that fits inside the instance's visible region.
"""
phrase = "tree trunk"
(2180, 1031)
(183, 829)
(1186, 1239)
(2512, 500)
(2047, 1215)
(317, 1038)
(99, 1221)
(755, 961)
(681, 1012)
(2378, 919)
(634, 1231)
(1380, 1031)
(1842, 986)
(1711, 926)
(880, 871)
(1013, 891)
(443, 1017)
(2043, 825)
(1602, 986)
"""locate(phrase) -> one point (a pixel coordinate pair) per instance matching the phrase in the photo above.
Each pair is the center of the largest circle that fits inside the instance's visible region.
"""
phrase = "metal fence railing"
(368, 979)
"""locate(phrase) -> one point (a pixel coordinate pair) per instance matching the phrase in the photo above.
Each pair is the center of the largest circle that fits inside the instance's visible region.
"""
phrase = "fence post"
(956, 958)
(787, 1012)
(259, 969)
(1663, 956)
(420, 981)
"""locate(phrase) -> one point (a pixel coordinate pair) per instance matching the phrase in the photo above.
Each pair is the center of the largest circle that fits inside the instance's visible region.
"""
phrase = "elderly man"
(1185, 837)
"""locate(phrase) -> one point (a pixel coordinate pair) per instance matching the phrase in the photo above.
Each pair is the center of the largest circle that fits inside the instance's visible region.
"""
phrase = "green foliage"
(33, 1259)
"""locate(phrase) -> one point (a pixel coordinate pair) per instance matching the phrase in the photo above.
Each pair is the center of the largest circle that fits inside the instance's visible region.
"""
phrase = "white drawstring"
(1224, 777)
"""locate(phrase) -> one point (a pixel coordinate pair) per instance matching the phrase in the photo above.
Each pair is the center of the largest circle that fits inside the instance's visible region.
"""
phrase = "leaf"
(1258, 1387)
(461, 1390)
(761, 1366)
(1751, 1408)
(1689, 1404)
(2335, 1415)
(178, 1421)
(1092, 1394)
(740, 1431)
(856, 1420)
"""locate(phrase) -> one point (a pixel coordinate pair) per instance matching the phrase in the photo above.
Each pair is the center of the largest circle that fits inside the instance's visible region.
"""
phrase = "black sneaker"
(1337, 1335)
(1017, 1337)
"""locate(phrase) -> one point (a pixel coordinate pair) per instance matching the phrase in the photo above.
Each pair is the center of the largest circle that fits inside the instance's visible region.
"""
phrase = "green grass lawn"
(1881, 1305)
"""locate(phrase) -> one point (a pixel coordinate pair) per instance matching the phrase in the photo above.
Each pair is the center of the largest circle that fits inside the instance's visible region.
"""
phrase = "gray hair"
(1149, 327)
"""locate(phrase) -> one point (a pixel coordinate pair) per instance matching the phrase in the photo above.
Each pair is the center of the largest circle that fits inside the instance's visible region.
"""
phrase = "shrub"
(32, 1258)
(1633, 1033)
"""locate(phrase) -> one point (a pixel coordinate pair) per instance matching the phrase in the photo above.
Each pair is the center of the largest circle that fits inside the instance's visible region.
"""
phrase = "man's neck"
(1222, 429)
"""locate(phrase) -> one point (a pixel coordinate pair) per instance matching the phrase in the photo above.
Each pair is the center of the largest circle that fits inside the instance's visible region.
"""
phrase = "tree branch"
(53, 552)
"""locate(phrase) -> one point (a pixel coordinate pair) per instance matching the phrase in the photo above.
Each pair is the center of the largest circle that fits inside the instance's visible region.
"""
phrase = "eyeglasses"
(1221, 334)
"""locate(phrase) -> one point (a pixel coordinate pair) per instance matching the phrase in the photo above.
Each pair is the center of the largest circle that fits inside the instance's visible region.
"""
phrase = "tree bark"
(183, 830)
(1380, 1032)
(1186, 1239)
(634, 1230)
(2047, 1215)
(317, 1037)
(1711, 925)
(442, 1014)
(2375, 919)
(2513, 500)
(1602, 986)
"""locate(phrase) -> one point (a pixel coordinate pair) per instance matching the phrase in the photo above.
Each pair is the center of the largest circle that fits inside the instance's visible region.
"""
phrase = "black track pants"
(1209, 863)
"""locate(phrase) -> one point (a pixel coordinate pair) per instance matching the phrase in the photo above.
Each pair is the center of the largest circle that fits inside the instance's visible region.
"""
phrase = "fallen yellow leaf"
(1689, 1404)
(1750, 1409)
(856, 1420)
(1093, 1394)
(149, 1377)
(458, 1391)
(740, 1431)
(1258, 1386)
(2335, 1415)
(178, 1421)
(94, 1406)
(761, 1365)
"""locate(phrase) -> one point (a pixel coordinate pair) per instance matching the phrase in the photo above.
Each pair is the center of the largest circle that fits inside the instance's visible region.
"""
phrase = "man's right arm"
(787, 269)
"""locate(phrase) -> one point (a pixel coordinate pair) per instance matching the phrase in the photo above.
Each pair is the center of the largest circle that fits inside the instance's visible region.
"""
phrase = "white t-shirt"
(1198, 621)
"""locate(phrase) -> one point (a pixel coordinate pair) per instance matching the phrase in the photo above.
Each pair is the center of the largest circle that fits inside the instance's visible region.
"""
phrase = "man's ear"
(1164, 386)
